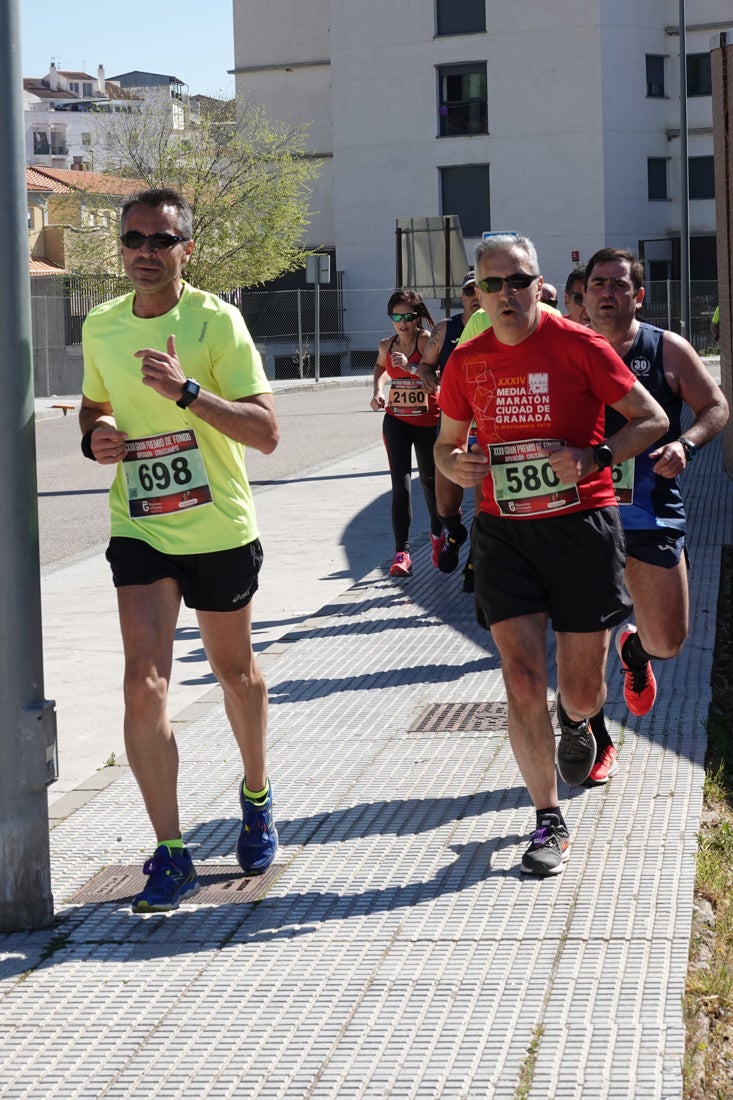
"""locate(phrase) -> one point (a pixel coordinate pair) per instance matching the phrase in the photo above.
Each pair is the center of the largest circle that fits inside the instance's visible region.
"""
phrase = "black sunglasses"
(494, 283)
(469, 291)
(577, 299)
(155, 240)
(396, 317)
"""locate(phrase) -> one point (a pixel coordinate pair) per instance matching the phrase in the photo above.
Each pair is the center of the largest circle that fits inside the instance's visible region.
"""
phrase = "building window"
(462, 99)
(58, 143)
(702, 177)
(467, 17)
(41, 144)
(464, 190)
(74, 86)
(699, 79)
(87, 89)
(656, 172)
(655, 76)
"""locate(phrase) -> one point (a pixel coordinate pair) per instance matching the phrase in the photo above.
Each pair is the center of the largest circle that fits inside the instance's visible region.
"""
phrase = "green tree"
(246, 177)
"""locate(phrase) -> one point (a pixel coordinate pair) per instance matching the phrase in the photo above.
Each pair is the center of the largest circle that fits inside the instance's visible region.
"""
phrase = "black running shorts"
(222, 581)
(569, 567)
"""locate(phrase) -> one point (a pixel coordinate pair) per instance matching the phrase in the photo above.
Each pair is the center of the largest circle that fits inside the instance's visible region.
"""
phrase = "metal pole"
(398, 257)
(25, 717)
(446, 246)
(300, 335)
(684, 186)
(318, 321)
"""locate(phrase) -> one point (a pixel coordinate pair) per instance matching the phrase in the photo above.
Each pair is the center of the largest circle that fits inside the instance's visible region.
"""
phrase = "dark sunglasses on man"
(158, 241)
(494, 283)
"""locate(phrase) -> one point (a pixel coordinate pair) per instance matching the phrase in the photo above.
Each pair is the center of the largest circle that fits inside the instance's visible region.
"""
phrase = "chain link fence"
(283, 325)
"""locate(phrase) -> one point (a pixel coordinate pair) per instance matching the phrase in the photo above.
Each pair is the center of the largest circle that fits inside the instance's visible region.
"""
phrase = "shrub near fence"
(282, 323)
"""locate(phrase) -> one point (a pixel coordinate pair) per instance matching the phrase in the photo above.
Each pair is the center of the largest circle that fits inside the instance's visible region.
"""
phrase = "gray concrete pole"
(27, 721)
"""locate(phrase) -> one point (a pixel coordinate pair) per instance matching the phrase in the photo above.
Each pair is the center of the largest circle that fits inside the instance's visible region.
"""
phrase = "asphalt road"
(317, 427)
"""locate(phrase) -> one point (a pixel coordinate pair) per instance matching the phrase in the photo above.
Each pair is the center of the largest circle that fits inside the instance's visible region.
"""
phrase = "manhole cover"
(445, 717)
(223, 883)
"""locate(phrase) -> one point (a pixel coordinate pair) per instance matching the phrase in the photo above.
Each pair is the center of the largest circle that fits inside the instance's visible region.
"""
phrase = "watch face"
(603, 456)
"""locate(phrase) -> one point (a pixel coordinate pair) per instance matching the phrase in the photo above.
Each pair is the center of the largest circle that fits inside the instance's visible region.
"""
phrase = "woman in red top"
(410, 420)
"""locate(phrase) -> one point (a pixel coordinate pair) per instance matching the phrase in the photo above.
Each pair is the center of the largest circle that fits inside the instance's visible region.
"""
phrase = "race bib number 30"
(165, 474)
(525, 483)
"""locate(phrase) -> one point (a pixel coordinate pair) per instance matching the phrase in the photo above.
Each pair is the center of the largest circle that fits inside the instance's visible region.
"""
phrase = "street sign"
(318, 268)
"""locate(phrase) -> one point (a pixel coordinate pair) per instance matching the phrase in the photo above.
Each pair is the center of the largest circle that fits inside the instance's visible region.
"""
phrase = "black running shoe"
(448, 557)
(548, 849)
(576, 751)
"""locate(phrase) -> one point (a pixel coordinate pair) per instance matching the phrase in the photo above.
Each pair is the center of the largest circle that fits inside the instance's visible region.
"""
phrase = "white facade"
(571, 126)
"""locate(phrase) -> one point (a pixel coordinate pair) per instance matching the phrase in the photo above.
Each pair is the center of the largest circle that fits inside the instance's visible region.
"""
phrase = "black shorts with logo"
(224, 580)
(569, 567)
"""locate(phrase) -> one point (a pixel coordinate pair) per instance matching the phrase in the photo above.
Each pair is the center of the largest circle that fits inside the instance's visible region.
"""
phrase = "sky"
(191, 39)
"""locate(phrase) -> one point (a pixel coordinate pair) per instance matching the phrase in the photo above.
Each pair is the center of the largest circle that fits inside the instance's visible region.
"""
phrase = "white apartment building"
(558, 119)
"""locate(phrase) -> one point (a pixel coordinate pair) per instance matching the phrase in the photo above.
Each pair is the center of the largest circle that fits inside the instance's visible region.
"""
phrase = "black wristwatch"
(688, 447)
(603, 456)
(189, 393)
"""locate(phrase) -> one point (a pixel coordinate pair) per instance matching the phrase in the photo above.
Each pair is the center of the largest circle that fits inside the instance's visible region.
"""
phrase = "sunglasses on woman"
(494, 283)
(397, 317)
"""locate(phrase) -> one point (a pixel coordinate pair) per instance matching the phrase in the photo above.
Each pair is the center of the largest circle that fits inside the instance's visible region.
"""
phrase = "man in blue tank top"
(647, 488)
(449, 497)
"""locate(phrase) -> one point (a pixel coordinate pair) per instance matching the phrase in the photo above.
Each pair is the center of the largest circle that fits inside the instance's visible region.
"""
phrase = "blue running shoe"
(172, 879)
(257, 843)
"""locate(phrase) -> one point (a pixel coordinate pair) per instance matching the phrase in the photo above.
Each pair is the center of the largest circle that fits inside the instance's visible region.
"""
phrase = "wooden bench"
(65, 405)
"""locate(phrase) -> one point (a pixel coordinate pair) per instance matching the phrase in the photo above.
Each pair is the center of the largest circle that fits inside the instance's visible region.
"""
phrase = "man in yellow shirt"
(173, 391)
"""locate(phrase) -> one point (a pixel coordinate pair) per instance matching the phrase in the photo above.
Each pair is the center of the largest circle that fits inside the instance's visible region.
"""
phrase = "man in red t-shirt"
(547, 543)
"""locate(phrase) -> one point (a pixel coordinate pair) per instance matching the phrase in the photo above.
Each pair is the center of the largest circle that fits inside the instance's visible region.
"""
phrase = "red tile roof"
(62, 180)
(43, 267)
(37, 181)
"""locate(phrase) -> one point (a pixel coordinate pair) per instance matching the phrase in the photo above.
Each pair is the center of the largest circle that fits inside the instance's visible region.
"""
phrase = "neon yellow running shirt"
(170, 450)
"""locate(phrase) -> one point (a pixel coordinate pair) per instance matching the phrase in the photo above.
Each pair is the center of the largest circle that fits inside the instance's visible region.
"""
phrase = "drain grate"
(445, 717)
(222, 883)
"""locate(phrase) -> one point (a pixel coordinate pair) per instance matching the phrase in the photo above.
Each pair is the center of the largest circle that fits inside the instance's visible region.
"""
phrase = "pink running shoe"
(401, 566)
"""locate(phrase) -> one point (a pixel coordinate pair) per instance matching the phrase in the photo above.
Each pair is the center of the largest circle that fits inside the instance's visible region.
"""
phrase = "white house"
(60, 113)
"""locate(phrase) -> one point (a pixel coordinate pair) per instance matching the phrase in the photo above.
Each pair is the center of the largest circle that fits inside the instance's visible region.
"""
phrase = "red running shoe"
(640, 687)
(401, 566)
(605, 766)
(437, 545)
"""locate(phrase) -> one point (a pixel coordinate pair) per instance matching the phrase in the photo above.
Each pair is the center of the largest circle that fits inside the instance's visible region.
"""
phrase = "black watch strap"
(603, 456)
(688, 447)
(189, 393)
(86, 445)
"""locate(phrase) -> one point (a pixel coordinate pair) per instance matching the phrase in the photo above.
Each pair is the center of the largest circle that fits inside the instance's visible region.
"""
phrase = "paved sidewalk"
(395, 950)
